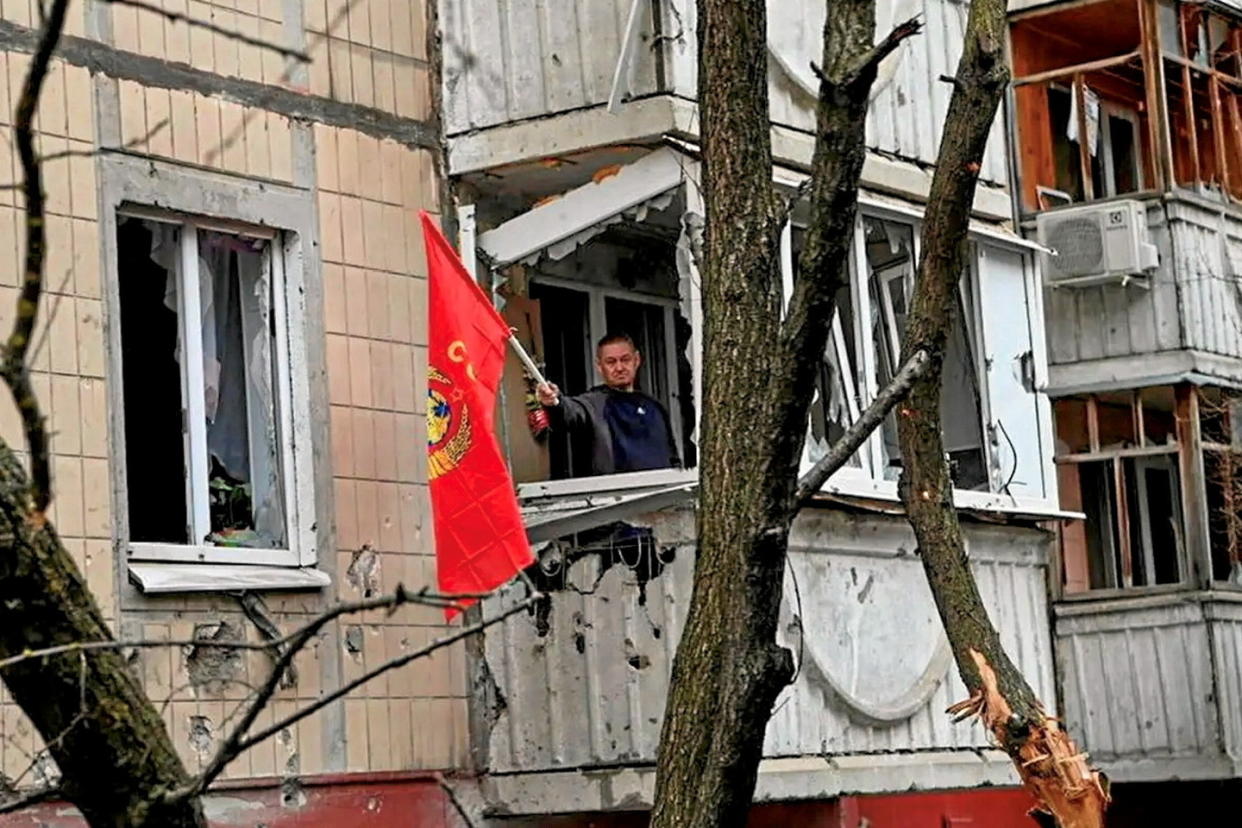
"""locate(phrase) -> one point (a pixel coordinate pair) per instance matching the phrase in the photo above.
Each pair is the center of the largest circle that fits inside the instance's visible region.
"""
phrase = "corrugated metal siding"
(591, 692)
(507, 60)
(1208, 243)
(1138, 683)
(1227, 646)
(1114, 321)
(907, 115)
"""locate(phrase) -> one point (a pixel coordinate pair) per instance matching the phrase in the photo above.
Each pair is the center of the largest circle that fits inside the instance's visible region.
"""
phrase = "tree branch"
(238, 742)
(865, 69)
(843, 449)
(423, 597)
(196, 23)
(14, 370)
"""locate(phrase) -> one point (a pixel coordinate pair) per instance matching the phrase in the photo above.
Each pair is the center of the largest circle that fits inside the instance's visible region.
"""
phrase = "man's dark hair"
(613, 338)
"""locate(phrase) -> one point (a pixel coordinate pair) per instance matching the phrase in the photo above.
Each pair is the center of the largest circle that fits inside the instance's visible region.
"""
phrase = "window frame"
(1109, 110)
(867, 480)
(1120, 522)
(292, 396)
(597, 324)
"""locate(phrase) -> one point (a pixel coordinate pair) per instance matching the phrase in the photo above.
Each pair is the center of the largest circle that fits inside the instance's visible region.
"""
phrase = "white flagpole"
(527, 362)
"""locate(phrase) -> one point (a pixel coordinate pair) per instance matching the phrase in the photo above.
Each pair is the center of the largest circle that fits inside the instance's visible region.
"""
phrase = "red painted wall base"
(412, 800)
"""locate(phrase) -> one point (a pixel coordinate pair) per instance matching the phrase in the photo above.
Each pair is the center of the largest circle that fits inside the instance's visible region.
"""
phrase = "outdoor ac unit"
(1096, 244)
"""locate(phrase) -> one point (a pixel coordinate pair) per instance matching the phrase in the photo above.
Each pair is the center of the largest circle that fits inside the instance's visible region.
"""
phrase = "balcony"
(568, 708)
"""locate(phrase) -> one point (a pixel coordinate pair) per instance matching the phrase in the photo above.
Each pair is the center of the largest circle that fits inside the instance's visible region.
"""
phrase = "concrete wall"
(348, 142)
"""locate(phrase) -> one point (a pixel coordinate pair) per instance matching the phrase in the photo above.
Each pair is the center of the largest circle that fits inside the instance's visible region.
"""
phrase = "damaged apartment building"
(235, 361)
(572, 140)
(1126, 116)
(232, 335)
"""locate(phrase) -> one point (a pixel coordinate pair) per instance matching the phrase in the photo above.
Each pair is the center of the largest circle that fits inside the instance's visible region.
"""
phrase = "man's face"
(618, 364)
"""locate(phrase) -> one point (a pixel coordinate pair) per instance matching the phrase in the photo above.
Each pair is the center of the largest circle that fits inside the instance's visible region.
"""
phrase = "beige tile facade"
(367, 191)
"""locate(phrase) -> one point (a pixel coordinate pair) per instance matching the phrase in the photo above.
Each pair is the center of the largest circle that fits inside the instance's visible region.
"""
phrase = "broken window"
(206, 391)
(837, 394)
(1117, 97)
(891, 263)
(1119, 459)
(864, 353)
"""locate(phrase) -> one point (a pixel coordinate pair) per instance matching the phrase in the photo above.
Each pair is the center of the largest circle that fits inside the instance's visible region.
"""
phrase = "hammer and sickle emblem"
(457, 353)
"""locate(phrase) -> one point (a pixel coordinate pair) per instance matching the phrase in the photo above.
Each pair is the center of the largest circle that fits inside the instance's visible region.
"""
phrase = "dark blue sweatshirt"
(640, 436)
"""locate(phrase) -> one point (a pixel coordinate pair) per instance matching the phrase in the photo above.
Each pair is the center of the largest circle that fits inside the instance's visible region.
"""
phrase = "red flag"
(480, 538)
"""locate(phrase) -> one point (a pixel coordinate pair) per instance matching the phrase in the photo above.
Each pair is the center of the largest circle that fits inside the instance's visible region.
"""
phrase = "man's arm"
(566, 412)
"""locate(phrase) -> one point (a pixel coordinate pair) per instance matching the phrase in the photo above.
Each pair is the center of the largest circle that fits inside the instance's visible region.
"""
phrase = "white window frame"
(868, 481)
(292, 396)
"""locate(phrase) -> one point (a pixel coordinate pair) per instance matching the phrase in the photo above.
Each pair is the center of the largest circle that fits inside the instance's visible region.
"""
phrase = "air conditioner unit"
(1096, 244)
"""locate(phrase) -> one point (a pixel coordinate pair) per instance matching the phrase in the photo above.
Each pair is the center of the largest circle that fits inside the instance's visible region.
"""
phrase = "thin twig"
(196, 23)
(421, 597)
(842, 450)
(91, 153)
(238, 742)
(34, 798)
(14, 370)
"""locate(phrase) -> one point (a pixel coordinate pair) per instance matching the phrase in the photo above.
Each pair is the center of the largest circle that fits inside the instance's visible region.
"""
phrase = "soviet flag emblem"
(448, 425)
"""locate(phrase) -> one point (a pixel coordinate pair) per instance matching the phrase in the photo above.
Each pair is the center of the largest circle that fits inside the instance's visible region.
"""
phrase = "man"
(628, 430)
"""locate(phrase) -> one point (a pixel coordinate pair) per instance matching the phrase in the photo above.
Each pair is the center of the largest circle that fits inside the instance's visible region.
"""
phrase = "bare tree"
(729, 668)
(759, 376)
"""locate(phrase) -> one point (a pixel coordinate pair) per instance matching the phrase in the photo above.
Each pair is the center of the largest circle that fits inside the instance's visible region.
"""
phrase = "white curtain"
(238, 388)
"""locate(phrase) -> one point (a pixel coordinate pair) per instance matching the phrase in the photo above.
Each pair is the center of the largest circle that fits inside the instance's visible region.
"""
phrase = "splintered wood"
(1050, 764)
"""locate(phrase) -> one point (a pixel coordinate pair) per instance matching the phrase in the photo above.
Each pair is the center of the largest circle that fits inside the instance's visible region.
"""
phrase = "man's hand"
(548, 394)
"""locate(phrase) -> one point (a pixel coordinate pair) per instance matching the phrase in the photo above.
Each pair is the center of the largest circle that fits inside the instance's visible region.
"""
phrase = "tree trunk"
(1046, 759)
(759, 378)
(113, 751)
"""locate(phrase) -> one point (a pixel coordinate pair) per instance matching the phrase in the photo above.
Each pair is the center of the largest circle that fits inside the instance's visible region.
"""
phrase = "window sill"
(166, 578)
(212, 555)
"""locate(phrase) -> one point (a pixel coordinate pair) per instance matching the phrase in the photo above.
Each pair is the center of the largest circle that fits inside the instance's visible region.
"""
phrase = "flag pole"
(527, 362)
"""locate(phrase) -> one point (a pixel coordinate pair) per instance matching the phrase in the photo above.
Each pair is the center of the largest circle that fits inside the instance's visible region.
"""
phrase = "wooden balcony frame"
(1165, 67)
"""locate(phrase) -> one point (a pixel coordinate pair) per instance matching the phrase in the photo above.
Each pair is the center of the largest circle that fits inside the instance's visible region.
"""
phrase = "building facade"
(1127, 121)
(572, 145)
(233, 235)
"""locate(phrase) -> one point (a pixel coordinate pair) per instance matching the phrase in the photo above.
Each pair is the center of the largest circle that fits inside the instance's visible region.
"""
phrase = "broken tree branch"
(865, 69)
(1045, 758)
(843, 449)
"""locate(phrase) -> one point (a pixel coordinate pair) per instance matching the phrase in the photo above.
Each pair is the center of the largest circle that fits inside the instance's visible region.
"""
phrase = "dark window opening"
(154, 448)
(217, 480)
